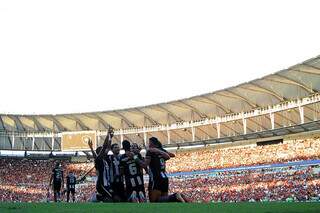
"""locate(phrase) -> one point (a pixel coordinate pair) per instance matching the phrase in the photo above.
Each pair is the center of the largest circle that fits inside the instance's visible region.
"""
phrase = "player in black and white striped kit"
(102, 164)
(132, 168)
(71, 186)
(117, 182)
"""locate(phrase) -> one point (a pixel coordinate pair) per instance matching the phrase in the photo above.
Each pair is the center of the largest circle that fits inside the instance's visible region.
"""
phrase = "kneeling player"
(156, 158)
(56, 180)
(131, 165)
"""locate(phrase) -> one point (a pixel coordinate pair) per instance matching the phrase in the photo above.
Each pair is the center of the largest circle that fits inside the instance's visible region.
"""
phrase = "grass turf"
(163, 207)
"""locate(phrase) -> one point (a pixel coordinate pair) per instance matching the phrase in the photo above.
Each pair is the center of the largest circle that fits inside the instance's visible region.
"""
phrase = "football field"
(164, 207)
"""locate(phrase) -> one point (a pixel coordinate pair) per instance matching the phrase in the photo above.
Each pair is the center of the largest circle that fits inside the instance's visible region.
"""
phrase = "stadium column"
(218, 129)
(301, 114)
(12, 141)
(121, 135)
(144, 137)
(32, 143)
(193, 130)
(52, 142)
(272, 120)
(244, 121)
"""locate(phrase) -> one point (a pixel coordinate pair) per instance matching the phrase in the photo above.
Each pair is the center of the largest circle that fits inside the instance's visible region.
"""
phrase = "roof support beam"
(78, 121)
(227, 126)
(37, 123)
(288, 82)
(309, 65)
(123, 118)
(265, 90)
(4, 128)
(99, 119)
(227, 111)
(40, 128)
(57, 123)
(188, 106)
(176, 133)
(235, 96)
(201, 114)
(284, 117)
(146, 116)
(2, 124)
(311, 70)
(177, 118)
(251, 103)
(306, 87)
(19, 126)
(129, 123)
(193, 110)
(17, 120)
(213, 102)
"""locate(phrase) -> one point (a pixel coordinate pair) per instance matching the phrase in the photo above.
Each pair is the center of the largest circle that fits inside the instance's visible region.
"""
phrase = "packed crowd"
(300, 183)
(36, 171)
(27, 180)
(271, 185)
(235, 156)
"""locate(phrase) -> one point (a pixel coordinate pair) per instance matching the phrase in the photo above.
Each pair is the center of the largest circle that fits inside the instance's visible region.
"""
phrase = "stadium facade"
(285, 102)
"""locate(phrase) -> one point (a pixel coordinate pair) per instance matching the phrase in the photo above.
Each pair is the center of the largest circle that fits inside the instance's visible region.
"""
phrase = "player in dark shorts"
(71, 186)
(132, 167)
(156, 158)
(56, 180)
(116, 180)
(102, 164)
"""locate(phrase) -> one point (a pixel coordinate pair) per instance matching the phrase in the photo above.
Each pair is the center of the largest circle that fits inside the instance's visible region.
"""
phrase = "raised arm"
(83, 177)
(94, 154)
(107, 143)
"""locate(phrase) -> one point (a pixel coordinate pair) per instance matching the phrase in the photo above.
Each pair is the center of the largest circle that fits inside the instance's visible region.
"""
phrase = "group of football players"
(120, 177)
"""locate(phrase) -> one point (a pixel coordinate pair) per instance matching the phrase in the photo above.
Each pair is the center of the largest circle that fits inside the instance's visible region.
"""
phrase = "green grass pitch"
(163, 207)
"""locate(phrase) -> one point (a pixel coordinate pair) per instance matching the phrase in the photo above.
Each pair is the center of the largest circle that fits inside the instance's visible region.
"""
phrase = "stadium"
(253, 145)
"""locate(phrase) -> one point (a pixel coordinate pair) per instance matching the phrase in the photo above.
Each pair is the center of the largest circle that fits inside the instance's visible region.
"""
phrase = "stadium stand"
(209, 133)
(252, 155)
(297, 183)
(27, 180)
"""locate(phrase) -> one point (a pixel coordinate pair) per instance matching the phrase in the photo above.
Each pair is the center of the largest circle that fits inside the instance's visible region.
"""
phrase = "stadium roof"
(295, 82)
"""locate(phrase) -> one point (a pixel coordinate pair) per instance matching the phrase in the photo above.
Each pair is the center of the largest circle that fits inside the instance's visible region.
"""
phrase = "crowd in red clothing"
(243, 156)
(27, 180)
(271, 185)
(260, 185)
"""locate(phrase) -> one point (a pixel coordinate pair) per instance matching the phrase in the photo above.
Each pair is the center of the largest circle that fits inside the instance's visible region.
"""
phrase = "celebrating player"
(132, 167)
(102, 165)
(56, 179)
(116, 180)
(156, 158)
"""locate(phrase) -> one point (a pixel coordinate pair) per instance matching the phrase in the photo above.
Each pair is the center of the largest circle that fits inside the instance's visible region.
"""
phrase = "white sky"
(67, 56)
